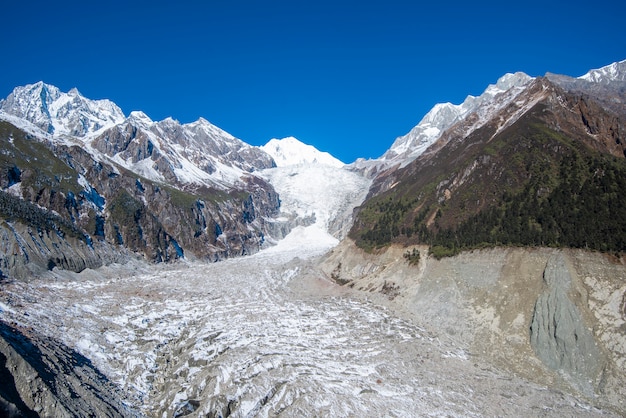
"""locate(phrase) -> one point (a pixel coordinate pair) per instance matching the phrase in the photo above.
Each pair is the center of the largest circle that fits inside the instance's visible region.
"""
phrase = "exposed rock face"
(42, 377)
(559, 335)
(26, 252)
(162, 190)
(66, 208)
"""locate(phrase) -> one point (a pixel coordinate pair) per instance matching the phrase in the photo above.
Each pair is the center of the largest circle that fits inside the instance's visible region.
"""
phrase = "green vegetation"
(387, 216)
(41, 167)
(413, 257)
(587, 209)
(126, 213)
(186, 199)
(529, 186)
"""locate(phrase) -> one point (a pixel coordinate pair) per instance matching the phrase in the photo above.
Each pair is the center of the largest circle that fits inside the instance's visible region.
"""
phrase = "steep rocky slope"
(101, 205)
(82, 185)
(42, 377)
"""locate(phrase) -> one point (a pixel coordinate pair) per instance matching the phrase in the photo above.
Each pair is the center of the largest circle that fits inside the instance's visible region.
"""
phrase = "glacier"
(265, 335)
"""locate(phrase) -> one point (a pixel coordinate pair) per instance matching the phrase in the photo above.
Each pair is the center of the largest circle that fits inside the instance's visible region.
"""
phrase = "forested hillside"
(543, 181)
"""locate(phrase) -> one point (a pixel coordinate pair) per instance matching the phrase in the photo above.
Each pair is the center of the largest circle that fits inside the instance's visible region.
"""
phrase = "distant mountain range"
(107, 186)
(98, 186)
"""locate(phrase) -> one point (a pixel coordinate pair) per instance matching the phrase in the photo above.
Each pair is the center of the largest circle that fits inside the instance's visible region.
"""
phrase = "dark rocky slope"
(63, 208)
(42, 377)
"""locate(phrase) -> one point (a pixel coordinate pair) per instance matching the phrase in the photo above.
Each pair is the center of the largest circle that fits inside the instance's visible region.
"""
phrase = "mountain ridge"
(536, 164)
(443, 115)
(124, 185)
(462, 175)
(178, 152)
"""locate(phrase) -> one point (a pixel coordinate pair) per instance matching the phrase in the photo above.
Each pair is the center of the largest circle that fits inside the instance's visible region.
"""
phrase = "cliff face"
(558, 332)
(553, 316)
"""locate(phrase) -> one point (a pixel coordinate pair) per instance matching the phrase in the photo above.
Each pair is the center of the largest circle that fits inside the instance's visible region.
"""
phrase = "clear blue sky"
(345, 76)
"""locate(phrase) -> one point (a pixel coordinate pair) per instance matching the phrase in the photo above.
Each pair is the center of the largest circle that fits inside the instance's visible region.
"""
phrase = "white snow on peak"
(197, 152)
(60, 113)
(612, 72)
(443, 115)
(290, 151)
(505, 83)
(140, 118)
(210, 130)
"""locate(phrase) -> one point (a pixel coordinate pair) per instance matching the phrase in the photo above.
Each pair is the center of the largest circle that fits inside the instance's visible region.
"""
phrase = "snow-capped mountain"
(443, 115)
(476, 111)
(197, 153)
(290, 151)
(308, 181)
(606, 84)
(60, 113)
(193, 190)
(189, 155)
(607, 74)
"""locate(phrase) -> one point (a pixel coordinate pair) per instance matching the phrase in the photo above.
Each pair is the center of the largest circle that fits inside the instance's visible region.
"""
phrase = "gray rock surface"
(26, 252)
(559, 335)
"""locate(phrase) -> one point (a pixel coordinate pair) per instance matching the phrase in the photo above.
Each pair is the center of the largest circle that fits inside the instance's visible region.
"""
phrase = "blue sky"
(345, 76)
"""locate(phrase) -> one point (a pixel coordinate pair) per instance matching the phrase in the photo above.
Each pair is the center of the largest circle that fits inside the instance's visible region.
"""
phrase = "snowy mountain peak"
(507, 82)
(607, 74)
(209, 129)
(443, 115)
(60, 113)
(140, 118)
(290, 151)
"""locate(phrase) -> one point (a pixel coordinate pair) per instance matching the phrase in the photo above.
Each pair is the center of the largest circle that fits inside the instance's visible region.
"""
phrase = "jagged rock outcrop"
(558, 332)
(42, 377)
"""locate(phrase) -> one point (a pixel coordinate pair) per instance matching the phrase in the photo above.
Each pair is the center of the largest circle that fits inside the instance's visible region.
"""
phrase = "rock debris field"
(265, 335)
